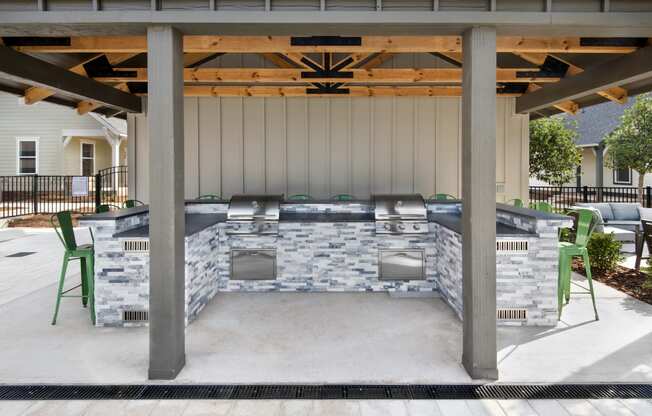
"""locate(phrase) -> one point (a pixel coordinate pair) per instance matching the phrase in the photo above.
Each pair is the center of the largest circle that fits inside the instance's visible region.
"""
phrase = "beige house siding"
(72, 154)
(43, 120)
(326, 146)
(588, 172)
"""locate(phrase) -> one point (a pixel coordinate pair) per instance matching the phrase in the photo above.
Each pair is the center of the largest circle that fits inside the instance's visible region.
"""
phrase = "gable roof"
(593, 124)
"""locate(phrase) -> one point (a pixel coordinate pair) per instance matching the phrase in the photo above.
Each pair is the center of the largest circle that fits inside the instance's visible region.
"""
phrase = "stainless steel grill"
(400, 214)
(253, 214)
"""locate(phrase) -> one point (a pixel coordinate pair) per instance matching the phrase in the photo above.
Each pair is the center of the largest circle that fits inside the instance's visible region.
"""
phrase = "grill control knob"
(387, 226)
(401, 227)
(416, 227)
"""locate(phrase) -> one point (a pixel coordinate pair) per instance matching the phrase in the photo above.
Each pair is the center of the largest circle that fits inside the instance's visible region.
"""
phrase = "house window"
(87, 159)
(623, 176)
(27, 156)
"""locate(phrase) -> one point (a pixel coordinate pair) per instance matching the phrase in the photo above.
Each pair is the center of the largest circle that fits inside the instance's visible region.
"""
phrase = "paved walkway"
(332, 408)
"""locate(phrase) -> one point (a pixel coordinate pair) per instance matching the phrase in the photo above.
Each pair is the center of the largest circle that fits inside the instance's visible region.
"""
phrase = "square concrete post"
(479, 206)
(166, 209)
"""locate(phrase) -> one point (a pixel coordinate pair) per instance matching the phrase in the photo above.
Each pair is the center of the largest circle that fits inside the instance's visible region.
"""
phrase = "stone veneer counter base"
(327, 246)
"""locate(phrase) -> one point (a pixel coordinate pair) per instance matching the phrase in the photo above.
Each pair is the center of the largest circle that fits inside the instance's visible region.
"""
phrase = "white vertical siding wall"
(326, 146)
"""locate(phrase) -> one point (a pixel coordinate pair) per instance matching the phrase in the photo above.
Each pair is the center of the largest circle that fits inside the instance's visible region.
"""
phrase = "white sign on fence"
(80, 186)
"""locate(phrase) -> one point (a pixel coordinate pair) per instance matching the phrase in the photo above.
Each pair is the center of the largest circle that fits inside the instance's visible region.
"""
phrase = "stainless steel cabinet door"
(253, 264)
(401, 265)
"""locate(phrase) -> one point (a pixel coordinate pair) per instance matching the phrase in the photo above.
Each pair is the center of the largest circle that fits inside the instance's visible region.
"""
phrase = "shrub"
(604, 252)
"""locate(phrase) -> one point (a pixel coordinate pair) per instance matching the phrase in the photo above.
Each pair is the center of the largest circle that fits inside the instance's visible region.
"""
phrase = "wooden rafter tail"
(86, 106)
(568, 107)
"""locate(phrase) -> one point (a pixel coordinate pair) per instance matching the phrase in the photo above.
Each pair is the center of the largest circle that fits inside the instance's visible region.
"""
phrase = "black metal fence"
(46, 194)
(564, 197)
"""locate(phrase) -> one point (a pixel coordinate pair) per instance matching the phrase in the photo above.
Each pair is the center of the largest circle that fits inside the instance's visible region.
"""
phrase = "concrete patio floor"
(305, 338)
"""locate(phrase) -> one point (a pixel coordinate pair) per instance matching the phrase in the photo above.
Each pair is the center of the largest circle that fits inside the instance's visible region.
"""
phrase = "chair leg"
(62, 278)
(587, 267)
(568, 277)
(84, 280)
(560, 284)
(90, 264)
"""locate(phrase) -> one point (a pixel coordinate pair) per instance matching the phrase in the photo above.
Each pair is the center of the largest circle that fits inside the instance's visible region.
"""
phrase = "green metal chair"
(299, 197)
(543, 207)
(62, 224)
(343, 197)
(132, 203)
(210, 197)
(106, 208)
(567, 251)
(518, 203)
(441, 197)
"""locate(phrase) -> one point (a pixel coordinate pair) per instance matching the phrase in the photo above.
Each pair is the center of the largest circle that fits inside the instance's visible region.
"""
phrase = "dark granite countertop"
(194, 224)
(326, 217)
(454, 222)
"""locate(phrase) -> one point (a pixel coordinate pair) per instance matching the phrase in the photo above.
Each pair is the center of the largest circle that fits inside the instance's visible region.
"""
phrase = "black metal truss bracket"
(325, 41)
(511, 88)
(551, 68)
(618, 42)
(328, 89)
(35, 41)
(101, 67)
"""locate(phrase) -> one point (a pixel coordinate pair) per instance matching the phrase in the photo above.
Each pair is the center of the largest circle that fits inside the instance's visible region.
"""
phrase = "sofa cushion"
(625, 211)
(604, 208)
(599, 226)
(645, 213)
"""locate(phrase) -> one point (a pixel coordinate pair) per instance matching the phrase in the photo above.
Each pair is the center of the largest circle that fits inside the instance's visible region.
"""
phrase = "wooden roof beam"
(633, 67)
(369, 44)
(29, 70)
(358, 75)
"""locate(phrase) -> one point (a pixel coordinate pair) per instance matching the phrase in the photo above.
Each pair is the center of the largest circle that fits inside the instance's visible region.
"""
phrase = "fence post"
(648, 196)
(585, 194)
(98, 191)
(35, 194)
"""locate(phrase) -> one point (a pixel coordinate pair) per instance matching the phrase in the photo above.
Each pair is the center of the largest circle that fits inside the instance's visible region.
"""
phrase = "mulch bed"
(626, 280)
(37, 221)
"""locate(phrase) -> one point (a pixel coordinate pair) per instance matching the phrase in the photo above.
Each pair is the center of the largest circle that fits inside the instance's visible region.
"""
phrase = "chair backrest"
(543, 207)
(63, 227)
(647, 233)
(343, 197)
(212, 197)
(441, 197)
(106, 208)
(299, 197)
(586, 221)
(131, 203)
(518, 203)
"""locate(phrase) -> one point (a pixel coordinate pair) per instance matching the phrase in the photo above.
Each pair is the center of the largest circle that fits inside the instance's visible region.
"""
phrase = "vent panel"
(505, 247)
(135, 246)
(135, 316)
(511, 314)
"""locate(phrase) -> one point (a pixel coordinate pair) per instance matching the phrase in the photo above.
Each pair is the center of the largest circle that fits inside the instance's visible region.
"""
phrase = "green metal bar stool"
(106, 208)
(518, 203)
(210, 197)
(441, 197)
(62, 224)
(585, 225)
(543, 207)
(299, 197)
(132, 203)
(343, 197)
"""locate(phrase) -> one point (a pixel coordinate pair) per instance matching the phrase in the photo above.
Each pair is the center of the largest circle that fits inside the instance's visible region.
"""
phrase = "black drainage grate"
(321, 392)
(22, 254)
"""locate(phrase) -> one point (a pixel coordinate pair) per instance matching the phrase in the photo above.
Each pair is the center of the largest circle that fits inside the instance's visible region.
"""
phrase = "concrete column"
(166, 209)
(479, 202)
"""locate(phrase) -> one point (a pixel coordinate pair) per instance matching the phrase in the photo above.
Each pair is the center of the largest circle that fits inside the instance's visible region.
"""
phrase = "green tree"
(553, 154)
(629, 146)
